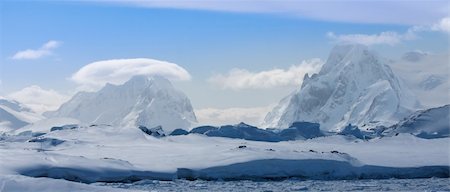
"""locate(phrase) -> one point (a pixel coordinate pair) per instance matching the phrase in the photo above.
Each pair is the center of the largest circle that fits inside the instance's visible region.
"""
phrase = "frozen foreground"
(101, 153)
(429, 184)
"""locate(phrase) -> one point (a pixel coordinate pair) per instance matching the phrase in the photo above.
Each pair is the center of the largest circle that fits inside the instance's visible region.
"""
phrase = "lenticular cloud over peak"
(116, 71)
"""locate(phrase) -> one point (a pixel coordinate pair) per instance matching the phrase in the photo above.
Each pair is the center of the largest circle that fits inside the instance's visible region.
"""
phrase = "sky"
(234, 59)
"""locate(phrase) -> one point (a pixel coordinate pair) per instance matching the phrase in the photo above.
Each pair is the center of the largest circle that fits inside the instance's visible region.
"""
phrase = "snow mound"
(301, 130)
(45, 125)
(141, 101)
(179, 132)
(351, 130)
(243, 131)
(354, 86)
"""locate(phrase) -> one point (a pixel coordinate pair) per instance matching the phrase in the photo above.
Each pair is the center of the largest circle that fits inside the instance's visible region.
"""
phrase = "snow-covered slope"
(14, 115)
(141, 101)
(109, 154)
(354, 86)
(430, 123)
(45, 125)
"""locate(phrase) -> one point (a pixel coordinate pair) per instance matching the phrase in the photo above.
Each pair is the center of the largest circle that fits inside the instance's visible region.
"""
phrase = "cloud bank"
(95, 75)
(243, 79)
(44, 50)
(216, 117)
(38, 99)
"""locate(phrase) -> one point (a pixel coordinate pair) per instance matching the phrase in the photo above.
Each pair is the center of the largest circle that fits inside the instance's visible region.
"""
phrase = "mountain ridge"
(354, 86)
(141, 101)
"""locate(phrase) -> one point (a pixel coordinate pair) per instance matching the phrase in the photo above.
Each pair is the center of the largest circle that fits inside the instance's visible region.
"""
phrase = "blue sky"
(206, 39)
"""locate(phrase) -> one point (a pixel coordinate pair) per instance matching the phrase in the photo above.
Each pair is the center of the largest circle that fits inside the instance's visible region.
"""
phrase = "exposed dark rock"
(64, 127)
(202, 129)
(155, 131)
(179, 132)
(47, 141)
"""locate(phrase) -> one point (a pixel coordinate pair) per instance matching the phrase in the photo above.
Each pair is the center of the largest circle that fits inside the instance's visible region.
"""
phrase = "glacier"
(354, 86)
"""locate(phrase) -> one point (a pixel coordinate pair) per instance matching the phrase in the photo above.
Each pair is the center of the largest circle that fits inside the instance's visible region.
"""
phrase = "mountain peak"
(343, 54)
(148, 79)
(143, 100)
(354, 86)
(347, 51)
(143, 81)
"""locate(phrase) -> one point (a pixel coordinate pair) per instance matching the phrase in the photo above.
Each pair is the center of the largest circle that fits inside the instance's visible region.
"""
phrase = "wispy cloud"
(95, 75)
(39, 99)
(44, 50)
(244, 79)
(443, 25)
(391, 37)
(385, 12)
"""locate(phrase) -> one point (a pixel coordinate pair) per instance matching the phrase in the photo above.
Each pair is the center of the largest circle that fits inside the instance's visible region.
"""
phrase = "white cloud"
(95, 75)
(39, 99)
(385, 12)
(244, 79)
(443, 25)
(44, 50)
(215, 117)
(388, 37)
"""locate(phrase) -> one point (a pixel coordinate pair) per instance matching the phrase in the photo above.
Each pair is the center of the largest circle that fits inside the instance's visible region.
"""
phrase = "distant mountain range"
(354, 86)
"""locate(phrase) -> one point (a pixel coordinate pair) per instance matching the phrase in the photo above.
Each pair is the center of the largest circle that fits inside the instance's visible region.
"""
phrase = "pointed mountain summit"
(148, 101)
(354, 86)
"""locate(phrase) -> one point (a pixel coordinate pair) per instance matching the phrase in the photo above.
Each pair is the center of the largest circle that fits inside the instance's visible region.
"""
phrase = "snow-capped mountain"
(354, 86)
(14, 115)
(430, 123)
(141, 101)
